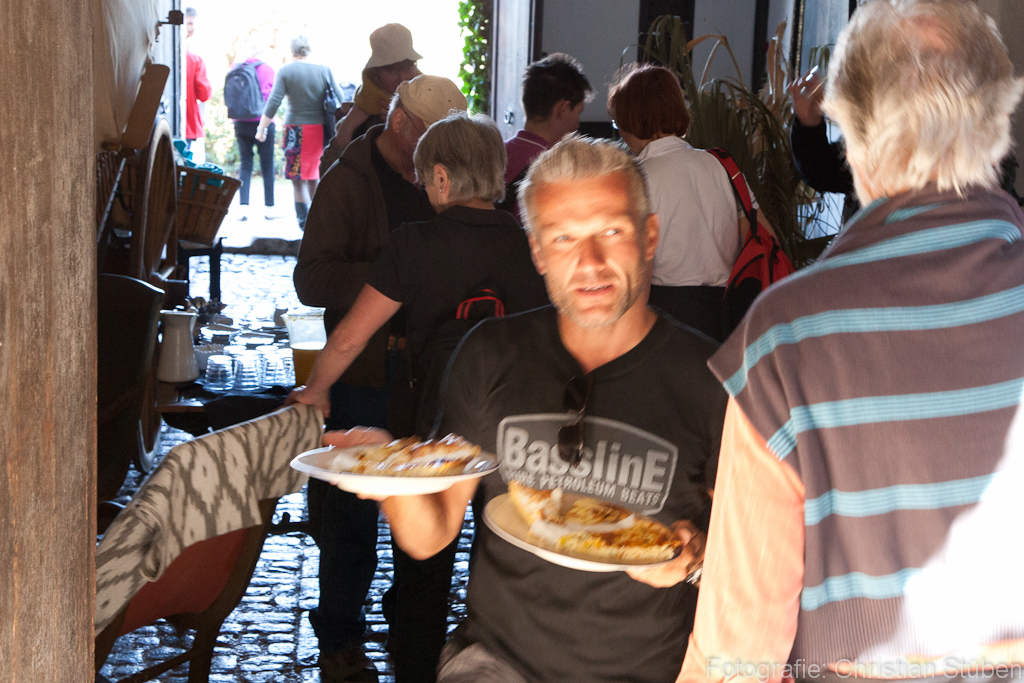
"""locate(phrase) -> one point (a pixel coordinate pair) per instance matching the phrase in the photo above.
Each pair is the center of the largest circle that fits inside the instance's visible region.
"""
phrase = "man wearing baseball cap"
(369, 192)
(392, 61)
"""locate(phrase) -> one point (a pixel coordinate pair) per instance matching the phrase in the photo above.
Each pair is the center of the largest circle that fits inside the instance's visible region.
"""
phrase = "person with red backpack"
(246, 89)
(705, 220)
(470, 261)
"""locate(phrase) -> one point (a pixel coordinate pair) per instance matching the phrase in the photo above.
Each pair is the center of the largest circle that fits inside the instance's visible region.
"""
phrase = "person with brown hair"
(690, 192)
(197, 84)
(555, 91)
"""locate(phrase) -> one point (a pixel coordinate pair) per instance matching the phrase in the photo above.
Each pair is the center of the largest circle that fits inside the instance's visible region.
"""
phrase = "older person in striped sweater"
(867, 488)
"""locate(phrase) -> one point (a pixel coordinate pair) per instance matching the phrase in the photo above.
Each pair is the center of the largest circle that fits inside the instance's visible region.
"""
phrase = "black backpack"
(430, 366)
(242, 93)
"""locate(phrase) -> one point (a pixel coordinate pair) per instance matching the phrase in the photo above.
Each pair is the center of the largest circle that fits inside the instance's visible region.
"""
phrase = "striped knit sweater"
(887, 375)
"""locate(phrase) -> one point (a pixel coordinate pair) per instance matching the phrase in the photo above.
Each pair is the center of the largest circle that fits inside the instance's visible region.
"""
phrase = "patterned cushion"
(202, 489)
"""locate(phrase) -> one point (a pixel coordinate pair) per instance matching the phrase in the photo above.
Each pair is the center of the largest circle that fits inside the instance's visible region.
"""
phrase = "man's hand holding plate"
(676, 571)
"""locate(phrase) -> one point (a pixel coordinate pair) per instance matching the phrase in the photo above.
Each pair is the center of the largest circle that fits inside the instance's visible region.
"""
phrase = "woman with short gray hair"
(305, 84)
(432, 267)
(300, 46)
(468, 262)
(949, 126)
(471, 157)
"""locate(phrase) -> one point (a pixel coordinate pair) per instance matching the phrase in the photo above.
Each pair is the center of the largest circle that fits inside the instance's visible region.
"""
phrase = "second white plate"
(503, 519)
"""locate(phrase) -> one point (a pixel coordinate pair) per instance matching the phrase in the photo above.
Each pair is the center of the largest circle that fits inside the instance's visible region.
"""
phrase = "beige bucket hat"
(391, 43)
(431, 97)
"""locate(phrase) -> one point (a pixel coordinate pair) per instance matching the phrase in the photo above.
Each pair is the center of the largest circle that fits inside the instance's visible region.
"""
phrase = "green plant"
(752, 127)
(475, 71)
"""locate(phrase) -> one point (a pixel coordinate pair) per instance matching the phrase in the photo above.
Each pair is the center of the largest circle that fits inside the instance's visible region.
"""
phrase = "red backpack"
(761, 261)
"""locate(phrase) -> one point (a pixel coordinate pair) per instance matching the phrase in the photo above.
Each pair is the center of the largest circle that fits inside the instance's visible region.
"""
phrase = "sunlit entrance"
(229, 32)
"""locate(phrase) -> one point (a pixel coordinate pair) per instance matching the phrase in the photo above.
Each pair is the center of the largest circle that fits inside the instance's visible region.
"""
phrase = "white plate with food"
(405, 467)
(579, 532)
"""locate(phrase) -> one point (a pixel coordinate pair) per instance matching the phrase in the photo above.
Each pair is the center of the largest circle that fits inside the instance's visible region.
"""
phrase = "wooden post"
(47, 341)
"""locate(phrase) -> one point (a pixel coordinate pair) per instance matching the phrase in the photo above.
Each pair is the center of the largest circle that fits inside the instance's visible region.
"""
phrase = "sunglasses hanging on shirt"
(570, 436)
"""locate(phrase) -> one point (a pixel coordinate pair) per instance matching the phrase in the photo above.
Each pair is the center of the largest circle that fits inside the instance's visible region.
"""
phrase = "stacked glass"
(220, 373)
(274, 371)
(248, 370)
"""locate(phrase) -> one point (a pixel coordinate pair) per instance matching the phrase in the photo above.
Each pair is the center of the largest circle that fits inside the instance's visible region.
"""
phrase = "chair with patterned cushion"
(185, 547)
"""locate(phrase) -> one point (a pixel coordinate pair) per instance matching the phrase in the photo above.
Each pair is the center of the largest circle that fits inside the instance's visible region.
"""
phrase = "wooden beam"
(797, 41)
(47, 341)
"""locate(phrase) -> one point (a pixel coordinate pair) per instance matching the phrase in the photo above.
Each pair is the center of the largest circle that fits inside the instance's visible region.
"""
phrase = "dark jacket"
(821, 163)
(346, 227)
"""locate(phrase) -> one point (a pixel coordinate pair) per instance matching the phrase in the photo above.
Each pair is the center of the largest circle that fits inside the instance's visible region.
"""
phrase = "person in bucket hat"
(392, 61)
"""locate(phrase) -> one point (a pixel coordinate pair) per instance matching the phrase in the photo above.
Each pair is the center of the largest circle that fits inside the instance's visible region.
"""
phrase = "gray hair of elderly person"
(471, 151)
(300, 46)
(923, 92)
(576, 157)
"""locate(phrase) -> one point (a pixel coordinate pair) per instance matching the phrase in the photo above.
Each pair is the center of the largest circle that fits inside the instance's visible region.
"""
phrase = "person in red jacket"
(197, 85)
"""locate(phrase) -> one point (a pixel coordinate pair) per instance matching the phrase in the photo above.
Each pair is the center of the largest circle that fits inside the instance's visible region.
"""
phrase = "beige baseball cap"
(391, 43)
(431, 97)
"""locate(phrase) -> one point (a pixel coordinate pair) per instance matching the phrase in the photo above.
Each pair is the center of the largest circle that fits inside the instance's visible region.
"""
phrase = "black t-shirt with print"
(651, 439)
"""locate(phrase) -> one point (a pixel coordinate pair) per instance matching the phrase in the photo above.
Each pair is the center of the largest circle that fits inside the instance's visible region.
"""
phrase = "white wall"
(823, 21)
(735, 20)
(123, 36)
(595, 32)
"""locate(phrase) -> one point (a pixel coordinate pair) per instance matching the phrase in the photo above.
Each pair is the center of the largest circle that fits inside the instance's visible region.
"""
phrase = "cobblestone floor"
(268, 637)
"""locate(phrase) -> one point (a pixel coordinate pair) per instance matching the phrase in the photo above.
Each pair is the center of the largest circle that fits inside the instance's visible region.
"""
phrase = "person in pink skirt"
(304, 83)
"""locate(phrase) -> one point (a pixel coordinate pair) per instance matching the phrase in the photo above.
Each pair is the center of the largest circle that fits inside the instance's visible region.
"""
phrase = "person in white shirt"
(690, 192)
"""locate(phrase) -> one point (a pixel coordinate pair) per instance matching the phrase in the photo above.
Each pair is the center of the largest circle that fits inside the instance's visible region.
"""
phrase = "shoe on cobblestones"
(347, 666)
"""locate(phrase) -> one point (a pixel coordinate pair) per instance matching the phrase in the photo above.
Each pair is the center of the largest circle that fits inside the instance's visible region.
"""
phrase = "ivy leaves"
(475, 71)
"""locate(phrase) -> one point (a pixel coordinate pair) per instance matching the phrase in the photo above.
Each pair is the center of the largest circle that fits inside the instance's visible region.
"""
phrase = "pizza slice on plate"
(593, 528)
(411, 457)
(535, 505)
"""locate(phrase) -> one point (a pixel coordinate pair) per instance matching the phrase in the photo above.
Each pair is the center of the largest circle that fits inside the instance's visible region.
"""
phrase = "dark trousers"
(346, 530)
(698, 307)
(416, 608)
(348, 560)
(245, 136)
